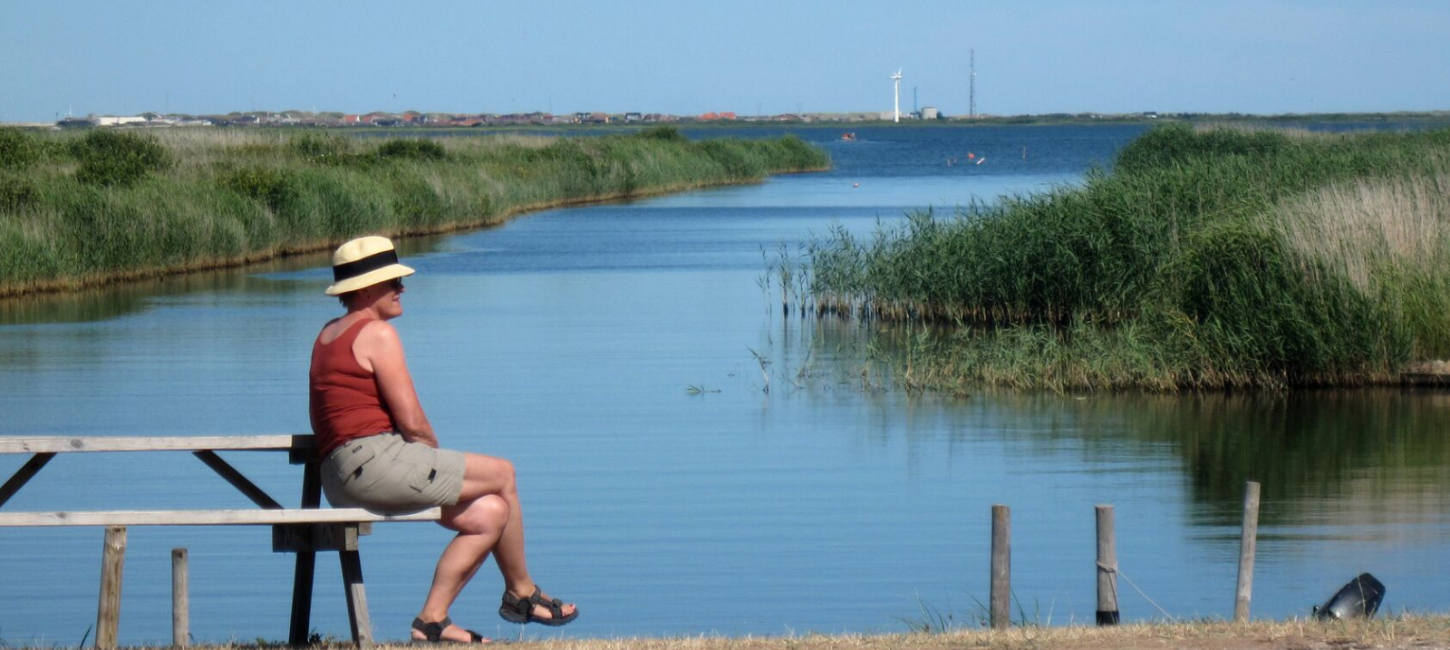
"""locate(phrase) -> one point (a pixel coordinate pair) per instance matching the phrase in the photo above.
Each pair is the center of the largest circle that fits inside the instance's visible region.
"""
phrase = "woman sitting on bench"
(379, 451)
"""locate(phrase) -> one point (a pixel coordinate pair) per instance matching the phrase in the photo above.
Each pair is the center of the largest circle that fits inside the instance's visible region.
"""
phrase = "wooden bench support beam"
(357, 599)
(238, 481)
(306, 566)
(306, 538)
(23, 475)
(305, 569)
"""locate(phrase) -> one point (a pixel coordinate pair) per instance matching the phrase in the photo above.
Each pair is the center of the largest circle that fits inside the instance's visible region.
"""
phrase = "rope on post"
(1117, 571)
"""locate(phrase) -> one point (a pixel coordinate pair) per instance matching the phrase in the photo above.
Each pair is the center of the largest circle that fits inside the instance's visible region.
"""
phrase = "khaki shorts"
(387, 474)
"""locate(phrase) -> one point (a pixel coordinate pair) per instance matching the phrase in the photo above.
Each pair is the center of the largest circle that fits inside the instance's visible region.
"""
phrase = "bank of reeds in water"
(85, 208)
(1210, 258)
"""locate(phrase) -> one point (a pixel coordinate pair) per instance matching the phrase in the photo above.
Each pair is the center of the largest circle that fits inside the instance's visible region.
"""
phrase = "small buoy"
(971, 155)
(855, 185)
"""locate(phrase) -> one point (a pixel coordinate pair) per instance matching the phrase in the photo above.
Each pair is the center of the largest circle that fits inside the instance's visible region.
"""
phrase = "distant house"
(112, 120)
(709, 116)
(633, 117)
(787, 117)
(351, 119)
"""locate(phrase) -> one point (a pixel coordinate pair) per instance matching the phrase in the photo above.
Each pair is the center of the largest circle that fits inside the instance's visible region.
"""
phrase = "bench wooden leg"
(306, 564)
(302, 599)
(357, 599)
(108, 612)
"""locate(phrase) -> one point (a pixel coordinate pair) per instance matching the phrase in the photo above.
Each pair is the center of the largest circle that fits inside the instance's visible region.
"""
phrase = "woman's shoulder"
(338, 327)
(376, 332)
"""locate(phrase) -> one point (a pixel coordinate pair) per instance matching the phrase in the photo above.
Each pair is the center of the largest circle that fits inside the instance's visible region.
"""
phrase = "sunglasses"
(396, 284)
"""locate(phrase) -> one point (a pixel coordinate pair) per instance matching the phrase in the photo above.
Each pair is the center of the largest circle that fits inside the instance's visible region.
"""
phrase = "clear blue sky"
(693, 56)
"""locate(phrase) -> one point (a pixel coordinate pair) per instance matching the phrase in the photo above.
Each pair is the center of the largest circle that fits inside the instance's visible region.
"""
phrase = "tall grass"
(1214, 258)
(83, 209)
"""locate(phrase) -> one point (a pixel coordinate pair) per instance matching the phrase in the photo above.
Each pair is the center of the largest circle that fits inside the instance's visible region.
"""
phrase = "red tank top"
(343, 396)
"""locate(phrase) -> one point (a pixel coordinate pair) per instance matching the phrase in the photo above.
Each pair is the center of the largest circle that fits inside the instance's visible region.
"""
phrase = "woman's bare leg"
(486, 475)
(479, 523)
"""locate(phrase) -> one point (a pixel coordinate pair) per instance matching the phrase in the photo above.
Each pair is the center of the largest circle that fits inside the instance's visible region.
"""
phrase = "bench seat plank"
(207, 517)
(63, 444)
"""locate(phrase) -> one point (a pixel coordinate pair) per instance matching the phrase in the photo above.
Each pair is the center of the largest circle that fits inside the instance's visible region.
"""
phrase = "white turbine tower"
(896, 99)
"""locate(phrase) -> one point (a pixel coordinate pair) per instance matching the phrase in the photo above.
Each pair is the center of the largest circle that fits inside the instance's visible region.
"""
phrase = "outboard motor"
(1360, 598)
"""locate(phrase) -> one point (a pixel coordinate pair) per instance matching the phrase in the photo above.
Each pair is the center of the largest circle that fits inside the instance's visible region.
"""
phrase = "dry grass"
(1362, 227)
(1402, 632)
(1395, 632)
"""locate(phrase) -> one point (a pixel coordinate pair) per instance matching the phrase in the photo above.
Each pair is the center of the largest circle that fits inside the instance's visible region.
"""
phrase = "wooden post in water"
(1107, 567)
(180, 599)
(108, 612)
(1001, 597)
(1247, 546)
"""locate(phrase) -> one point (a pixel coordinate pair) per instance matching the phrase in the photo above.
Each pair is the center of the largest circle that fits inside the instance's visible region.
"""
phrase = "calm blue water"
(611, 352)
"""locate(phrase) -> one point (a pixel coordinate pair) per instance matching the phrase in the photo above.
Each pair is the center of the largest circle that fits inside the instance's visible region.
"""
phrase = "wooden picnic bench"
(304, 530)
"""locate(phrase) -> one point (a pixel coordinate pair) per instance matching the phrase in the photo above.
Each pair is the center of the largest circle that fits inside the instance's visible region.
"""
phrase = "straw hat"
(364, 262)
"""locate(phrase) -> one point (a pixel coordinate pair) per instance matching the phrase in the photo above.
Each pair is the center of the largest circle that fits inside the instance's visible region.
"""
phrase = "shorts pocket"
(353, 458)
(421, 474)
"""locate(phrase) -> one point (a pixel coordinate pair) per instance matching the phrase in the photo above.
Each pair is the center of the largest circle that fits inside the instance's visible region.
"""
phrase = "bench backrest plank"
(64, 444)
(207, 517)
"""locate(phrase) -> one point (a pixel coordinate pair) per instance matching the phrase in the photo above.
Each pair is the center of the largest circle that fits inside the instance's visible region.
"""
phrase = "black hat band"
(365, 265)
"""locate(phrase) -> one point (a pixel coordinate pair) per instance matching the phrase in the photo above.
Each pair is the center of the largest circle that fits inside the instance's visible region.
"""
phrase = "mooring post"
(1247, 546)
(1107, 567)
(108, 612)
(180, 599)
(1001, 598)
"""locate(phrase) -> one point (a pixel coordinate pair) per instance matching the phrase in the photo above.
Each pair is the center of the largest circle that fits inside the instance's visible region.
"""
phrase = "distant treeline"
(80, 208)
(1212, 258)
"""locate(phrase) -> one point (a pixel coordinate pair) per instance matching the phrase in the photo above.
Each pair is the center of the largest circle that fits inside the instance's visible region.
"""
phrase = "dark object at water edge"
(1360, 598)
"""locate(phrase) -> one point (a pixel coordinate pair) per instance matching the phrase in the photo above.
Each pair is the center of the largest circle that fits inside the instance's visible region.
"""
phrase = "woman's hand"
(379, 349)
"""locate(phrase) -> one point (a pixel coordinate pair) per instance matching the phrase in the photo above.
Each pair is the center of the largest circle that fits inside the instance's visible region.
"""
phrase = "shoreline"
(1394, 632)
(308, 248)
(105, 207)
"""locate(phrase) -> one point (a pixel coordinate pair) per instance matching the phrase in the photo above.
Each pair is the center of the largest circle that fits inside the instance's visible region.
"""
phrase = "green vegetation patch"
(1207, 259)
(83, 208)
(117, 158)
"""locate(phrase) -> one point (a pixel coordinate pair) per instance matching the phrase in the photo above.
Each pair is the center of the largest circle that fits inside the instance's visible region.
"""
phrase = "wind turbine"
(896, 101)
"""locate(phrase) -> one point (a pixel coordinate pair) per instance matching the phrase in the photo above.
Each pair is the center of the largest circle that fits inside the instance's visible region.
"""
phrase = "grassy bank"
(1209, 258)
(1403, 632)
(86, 208)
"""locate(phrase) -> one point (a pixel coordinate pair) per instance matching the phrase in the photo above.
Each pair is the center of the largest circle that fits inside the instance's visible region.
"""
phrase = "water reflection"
(1315, 453)
(115, 300)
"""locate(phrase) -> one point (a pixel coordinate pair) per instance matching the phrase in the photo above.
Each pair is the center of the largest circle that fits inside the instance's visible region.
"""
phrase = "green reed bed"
(1213, 258)
(85, 208)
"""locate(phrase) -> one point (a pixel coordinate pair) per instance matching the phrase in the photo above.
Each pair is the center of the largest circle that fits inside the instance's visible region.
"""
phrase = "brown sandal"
(433, 632)
(521, 610)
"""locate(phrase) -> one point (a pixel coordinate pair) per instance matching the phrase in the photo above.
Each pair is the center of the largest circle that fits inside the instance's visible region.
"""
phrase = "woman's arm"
(379, 349)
